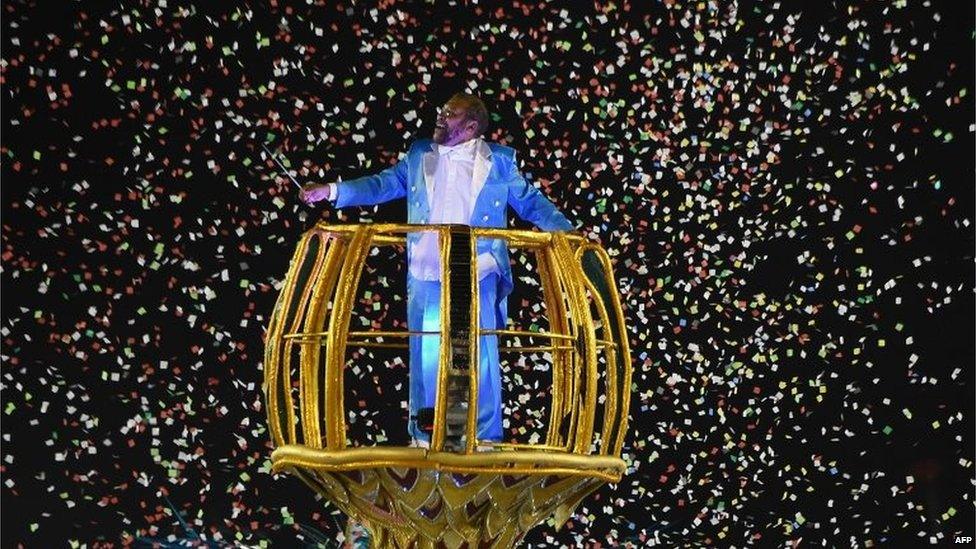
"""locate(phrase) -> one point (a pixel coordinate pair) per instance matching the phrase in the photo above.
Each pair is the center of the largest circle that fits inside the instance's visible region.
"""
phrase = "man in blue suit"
(455, 177)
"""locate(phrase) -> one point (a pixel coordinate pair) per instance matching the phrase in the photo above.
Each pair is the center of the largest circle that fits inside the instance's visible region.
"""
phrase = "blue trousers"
(424, 314)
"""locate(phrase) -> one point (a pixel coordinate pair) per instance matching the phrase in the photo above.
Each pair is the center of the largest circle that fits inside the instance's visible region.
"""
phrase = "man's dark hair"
(474, 109)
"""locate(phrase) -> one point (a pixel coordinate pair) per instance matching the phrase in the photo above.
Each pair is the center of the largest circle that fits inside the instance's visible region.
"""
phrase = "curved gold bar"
(558, 324)
(610, 403)
(474, 351)
(444, 364)
(285, 455)
(322, 286)
(624, 346)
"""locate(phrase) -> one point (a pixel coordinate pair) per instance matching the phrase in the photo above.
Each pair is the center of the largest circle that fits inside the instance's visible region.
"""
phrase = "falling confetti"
(785, 190)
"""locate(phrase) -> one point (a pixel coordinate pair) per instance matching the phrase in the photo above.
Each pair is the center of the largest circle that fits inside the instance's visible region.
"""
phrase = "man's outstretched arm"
(369, 190)
(531, 205)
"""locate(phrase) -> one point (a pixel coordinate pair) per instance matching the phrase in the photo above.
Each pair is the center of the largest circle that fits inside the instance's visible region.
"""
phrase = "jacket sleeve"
(530, 204)
(369, 190)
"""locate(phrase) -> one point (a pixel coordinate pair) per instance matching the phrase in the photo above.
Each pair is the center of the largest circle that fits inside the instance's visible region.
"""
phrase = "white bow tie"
(455, 152)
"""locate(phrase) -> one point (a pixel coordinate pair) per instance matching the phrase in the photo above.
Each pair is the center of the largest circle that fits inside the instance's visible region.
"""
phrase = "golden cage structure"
(459, 491)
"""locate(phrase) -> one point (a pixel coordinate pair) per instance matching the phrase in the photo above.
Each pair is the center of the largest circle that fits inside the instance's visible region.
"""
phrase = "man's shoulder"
(420, 145)
(502, 150)
(425, 145)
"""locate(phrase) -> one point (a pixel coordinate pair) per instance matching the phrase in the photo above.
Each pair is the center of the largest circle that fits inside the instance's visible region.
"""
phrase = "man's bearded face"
(453, 125)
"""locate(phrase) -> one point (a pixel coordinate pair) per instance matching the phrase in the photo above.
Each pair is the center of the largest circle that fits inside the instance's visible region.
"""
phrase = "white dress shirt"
(452, 201)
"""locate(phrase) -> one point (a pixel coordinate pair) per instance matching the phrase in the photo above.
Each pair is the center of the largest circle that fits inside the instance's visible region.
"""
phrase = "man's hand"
(314, 192)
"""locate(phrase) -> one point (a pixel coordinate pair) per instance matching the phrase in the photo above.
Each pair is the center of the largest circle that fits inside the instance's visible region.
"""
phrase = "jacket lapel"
(482, 166)
(430, 166)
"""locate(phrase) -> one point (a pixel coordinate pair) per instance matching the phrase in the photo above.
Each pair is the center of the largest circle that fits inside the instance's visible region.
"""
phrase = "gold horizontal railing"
(508, 462)
(303, 337)
(309, 333)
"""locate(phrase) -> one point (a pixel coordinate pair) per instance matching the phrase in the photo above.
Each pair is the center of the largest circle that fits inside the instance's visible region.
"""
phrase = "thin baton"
(282, 166)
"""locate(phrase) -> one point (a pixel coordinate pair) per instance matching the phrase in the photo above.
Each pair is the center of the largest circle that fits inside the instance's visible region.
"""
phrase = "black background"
(795, 286)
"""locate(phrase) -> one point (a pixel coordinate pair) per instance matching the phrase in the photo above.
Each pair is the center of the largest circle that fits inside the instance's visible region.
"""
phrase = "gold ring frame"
(482, 494)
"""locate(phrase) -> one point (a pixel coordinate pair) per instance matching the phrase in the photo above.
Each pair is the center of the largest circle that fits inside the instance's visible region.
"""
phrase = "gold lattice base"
(418, 506)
